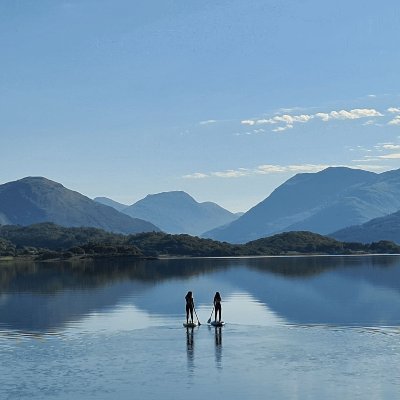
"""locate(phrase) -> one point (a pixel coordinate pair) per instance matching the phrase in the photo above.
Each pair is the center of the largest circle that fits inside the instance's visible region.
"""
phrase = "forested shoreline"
(47, 241)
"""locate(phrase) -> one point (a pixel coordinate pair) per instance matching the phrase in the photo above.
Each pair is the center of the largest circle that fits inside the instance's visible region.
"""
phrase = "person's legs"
(218, 313)
(187, 313)
(191, 313)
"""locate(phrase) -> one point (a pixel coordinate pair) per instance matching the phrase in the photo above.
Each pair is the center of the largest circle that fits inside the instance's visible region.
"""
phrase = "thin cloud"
(393, 110)
(208, 122)
(264, 169)
(369, 122)
(282, 128)
(390, 146)
(196, 175)
(371, 167)
(395, 121)
(287, 121)
(356, 113)
(248, 122)
(232, 173)
(392, 156)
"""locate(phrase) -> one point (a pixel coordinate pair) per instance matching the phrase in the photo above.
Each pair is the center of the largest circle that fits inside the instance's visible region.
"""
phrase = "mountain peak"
(174, 194)
(37, 199)
(321, 202)
(178, 212)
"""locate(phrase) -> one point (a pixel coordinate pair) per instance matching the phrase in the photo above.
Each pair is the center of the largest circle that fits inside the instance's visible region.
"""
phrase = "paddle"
(209, 319)
(196, 315)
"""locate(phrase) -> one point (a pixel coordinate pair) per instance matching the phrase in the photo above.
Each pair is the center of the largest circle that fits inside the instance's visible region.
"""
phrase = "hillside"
(383, 228)
(320, 202)
(35, 199)
(48, 240)
(177, 212)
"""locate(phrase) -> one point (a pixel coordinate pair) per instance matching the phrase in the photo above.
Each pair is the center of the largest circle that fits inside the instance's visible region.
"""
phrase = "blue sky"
(223, 99)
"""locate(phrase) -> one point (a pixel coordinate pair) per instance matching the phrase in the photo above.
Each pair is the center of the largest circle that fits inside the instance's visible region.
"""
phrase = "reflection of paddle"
(196, 315)
(209, 319)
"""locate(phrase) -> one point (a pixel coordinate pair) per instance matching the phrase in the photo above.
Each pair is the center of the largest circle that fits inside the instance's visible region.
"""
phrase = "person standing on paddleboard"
(189, 306)
(217, 306)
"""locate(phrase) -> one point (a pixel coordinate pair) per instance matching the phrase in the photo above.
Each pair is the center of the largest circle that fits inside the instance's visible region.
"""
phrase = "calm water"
(296, 328)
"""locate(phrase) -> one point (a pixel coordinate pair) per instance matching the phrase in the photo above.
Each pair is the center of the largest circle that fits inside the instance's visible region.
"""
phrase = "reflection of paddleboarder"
(189, 306)
(217, 306)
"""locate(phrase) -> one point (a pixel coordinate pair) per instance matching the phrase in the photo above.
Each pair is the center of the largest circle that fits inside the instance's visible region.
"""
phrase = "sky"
(225, 100)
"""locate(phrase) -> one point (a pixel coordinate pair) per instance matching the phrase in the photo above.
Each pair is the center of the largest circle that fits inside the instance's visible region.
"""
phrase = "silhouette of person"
(217, 305)
(189, 306)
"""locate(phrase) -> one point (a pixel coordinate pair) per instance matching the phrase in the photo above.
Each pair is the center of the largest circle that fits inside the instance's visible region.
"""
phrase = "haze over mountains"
(35, 199)
(322, 202)
(176, 212)
(111, 203)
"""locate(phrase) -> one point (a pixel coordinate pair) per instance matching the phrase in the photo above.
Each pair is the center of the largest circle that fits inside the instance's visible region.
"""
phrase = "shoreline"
(34, 259)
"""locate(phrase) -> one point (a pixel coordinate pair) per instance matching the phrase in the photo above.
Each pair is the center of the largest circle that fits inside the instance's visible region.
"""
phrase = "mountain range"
(383, 228)
(322, 202)
(347, 204)
(176, 212)
(35, 199)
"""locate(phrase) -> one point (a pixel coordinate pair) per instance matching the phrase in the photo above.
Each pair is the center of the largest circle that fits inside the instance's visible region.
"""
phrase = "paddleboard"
(189, 324)
(217, 324)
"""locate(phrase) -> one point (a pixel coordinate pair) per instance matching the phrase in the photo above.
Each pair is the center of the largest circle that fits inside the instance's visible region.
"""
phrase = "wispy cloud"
(392, 156)
(208, 122)
(390, 146)
(287, 121)
(393, 110)
(371, 167)
(196, 175)
(264, 169)
(375, 154)
(395, 121)
(231, 173)
(282, 128)
(356, 113)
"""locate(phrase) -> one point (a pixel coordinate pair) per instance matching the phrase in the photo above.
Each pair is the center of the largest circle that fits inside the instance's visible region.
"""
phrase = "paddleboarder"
(189, 306)
(217, 306)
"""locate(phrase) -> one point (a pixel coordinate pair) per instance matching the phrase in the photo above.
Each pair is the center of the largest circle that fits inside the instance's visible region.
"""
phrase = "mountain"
(321, 202)
(383, 228)
(177, 212)
(36, 199)
(111, 203)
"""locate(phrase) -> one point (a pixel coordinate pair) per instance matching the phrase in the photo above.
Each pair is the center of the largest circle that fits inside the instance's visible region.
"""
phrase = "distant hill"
(111, 203)
(383, 228)
(177, 212)
(320, 202)
(50, 240)
(35, 199)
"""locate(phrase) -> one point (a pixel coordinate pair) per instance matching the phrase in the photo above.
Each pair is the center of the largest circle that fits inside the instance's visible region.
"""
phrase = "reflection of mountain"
(44, 297)
(320, 290)
(363, 291)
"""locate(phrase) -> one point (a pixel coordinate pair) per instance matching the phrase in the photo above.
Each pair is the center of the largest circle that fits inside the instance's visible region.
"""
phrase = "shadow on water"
(43, 298)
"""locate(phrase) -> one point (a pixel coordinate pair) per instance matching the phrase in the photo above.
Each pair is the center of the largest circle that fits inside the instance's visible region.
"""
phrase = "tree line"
(48, 240)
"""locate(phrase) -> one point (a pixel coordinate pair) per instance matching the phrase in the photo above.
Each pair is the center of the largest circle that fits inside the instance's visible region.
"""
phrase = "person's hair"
(189, 293)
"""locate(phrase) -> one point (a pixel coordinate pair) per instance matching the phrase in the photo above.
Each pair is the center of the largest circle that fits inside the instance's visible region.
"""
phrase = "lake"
(296, 328)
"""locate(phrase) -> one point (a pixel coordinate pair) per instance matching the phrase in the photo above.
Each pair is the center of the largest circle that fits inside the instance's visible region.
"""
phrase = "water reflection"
(190, 349)
(48, 298)
(218, 346)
